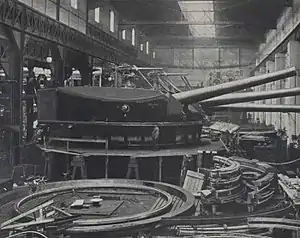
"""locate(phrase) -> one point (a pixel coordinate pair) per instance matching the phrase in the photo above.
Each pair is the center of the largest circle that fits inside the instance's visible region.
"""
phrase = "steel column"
(29, 90)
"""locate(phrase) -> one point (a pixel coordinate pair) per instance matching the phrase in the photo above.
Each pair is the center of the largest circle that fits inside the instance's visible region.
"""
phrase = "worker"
(186, 111)
(258, 121)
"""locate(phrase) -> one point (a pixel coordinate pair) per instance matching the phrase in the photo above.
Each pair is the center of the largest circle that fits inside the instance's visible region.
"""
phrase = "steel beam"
(203, 23)
(214, 42)
(176, 1)
(201, 39)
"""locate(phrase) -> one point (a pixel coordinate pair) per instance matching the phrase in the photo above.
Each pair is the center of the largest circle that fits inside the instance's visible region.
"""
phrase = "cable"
(28, 232)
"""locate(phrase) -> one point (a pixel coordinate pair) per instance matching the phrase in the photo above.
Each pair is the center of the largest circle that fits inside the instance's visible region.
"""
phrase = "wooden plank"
(116, 208)
(157, 202)
(106, 209)
(32, 223)
(193, 181)
(27, 213)
(61, 211)
(60, 151)
(51, 213)
(273, 220)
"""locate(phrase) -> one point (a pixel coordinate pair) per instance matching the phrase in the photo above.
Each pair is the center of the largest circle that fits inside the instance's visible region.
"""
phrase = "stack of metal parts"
(225, 181)
(238, 180)
(259, 179)
(238, 183)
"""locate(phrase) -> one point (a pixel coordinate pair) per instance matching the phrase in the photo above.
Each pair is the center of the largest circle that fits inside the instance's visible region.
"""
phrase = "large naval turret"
(134, 117)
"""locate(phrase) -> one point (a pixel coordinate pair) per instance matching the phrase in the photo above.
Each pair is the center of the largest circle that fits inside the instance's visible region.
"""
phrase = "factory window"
(111, 21)
(97, 14)
(202, 11)
(142, 47)
(133, 36)
(72, 13)
(147, 47)
(74, 4)
(124, 34)
(153, 55)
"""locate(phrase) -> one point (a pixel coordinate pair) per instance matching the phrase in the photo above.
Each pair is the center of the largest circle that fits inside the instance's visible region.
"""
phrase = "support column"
(280, 59)
(262, 116)
(14, 71)
(86, 69)
(256, 89)
(270, 67)
(29, 102)
(293, 55)
(58, 66)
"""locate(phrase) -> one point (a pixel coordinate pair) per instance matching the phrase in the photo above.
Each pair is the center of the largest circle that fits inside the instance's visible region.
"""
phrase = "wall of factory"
(47, 7)
(71, 12)
(99, 16)
(207, 66)
(75, 14)
(289, 121)
(278, 52)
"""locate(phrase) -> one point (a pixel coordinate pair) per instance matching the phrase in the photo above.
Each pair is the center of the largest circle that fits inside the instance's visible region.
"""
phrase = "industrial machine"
(128, 117)
(133, 120)
(117, 132)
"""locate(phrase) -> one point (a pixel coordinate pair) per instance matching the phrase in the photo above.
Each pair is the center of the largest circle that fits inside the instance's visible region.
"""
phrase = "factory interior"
(149, 118)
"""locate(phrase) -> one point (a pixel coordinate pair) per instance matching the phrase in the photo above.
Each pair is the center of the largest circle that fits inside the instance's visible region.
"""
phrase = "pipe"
(252, 107)
(249, 96)
(174, 74)
(145, 68)
(172, 85)
(201, 94)
(187, 83)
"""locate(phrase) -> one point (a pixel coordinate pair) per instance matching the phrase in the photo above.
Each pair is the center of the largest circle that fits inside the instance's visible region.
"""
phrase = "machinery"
(140, 129)
(132, 120)
(126, 117)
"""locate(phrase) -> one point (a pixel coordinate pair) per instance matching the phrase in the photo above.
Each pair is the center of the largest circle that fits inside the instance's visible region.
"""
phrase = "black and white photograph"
(149, 118)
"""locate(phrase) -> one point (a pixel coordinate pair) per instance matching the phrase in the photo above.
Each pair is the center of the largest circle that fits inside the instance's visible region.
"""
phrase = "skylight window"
(203, 31)
(202, 13)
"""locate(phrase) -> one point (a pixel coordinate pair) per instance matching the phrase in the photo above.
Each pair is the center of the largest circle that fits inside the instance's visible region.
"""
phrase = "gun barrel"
(249, 96)
(201, 94)
(252, 107)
